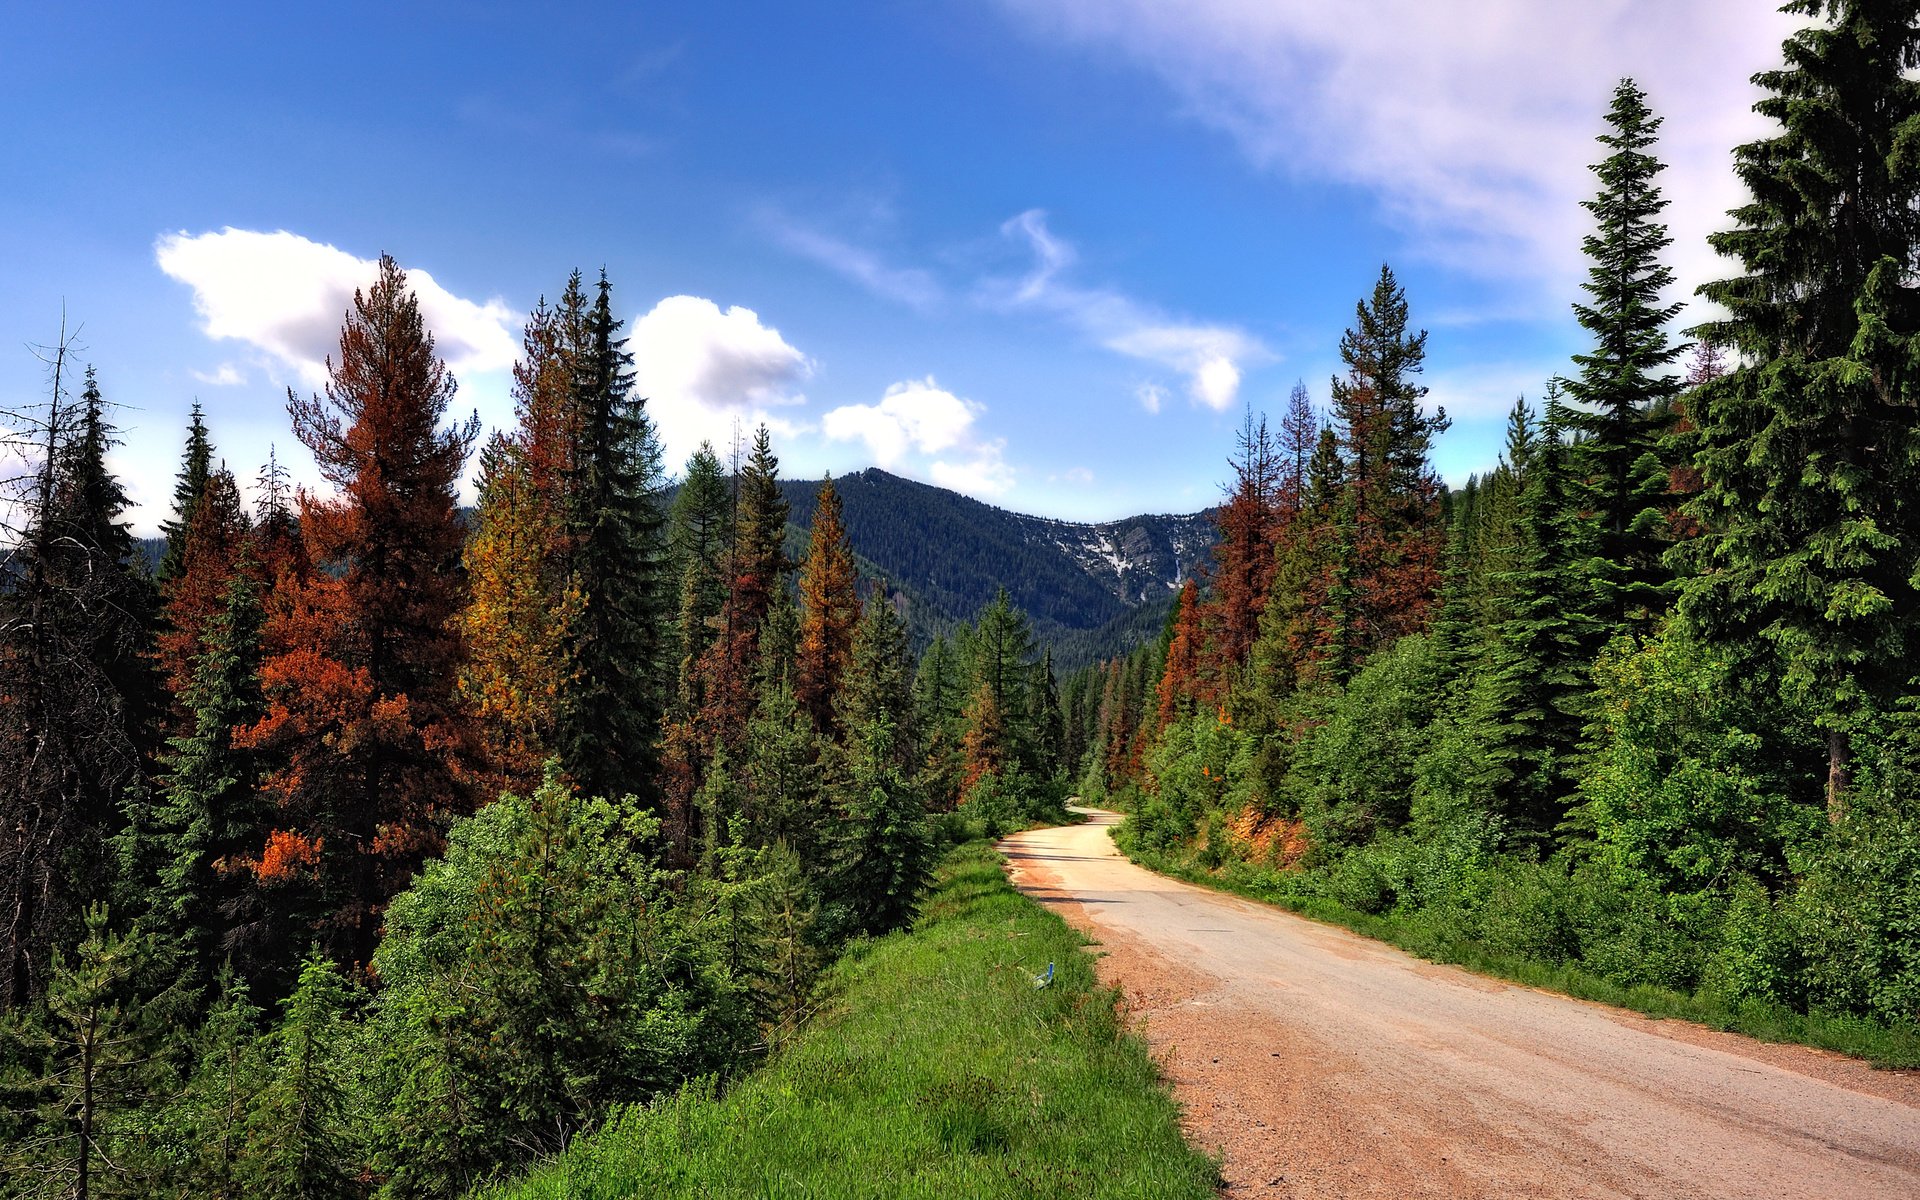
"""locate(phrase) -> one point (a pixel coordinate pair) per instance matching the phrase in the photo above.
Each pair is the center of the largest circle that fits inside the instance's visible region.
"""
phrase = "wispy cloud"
(1471, 121)
(911, 286)
(285, 295)
(225, 375)
(1211, 357)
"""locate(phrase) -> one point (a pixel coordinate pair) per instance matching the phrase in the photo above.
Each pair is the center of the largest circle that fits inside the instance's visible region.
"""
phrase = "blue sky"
(1045, 251)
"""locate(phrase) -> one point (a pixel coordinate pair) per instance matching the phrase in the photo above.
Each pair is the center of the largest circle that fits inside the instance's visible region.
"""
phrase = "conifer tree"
(209, 817)
(879, 682)
(196, 466)
(830, 609)
(1392, 496)
(299, 1144)
(75, 689)
(219, 533)
(1808, 447)
(369, 750)
(608, 720)
(1180, 684)
(1544, 648)
(1623, 391)
(1249, 525)
(700, 528)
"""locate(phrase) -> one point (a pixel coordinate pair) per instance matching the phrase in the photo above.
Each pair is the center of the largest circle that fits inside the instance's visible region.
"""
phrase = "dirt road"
(1326, 1065)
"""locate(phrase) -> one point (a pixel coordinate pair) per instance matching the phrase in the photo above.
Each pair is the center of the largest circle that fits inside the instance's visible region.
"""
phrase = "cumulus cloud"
(983, 474)
(1471, 121)
(919, 419)
(1209, 356)
(916, 415)
(286, 295)
(703, 368)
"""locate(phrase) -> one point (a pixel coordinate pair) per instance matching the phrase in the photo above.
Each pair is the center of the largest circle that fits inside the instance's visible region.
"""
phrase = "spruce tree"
(830, 609)
(608, 726)
(699, 530)
(1809, 448)
(1623, 392)
(209, 816)
(196, 465)
(1543, 649)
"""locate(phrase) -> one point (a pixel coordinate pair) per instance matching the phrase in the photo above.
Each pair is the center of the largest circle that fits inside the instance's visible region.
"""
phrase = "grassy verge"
(1857, 1036)
(938, 1070)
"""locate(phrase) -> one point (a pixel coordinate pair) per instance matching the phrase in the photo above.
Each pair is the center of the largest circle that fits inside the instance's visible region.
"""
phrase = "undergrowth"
(937, 1069)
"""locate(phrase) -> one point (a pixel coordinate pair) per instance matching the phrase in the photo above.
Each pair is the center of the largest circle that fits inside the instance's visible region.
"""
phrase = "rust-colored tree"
(1397, 537)
(829, 611)
(1249, 523)
(521, 599)
(1180, 683)
(369, 751)
(212, 543)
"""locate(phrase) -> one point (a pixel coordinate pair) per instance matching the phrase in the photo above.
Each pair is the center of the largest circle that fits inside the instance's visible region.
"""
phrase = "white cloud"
(919, 419)
(1151, 396)
(1471, 121)
(1210, 356)
(916, 415)
(287, 295)
(1485, 392)
(985, 474)
(225, 375)
(911, 286)
(702, 369)
(1080, 475)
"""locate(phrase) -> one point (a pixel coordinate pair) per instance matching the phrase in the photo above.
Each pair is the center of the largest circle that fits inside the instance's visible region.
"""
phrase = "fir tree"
(609, 712)
(830, 609)
(1623, 392)
(196, 466)
(1810, 537)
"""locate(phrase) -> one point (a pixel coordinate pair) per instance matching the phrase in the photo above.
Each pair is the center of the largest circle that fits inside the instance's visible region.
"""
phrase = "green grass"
(937, 1070)
(1860, 1037)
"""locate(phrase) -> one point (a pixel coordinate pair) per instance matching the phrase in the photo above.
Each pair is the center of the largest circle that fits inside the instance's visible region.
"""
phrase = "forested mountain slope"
(1090, 589)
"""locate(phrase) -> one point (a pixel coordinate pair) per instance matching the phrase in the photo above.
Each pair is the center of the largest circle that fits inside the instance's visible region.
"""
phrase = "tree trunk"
(1839, 773)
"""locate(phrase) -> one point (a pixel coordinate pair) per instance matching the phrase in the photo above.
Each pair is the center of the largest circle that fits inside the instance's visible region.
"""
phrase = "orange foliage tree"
(829, 610)
(369, 752)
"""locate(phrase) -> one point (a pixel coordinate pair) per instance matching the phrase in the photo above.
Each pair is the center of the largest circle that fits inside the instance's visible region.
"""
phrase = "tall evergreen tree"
(1623, 393)
(209, 818)
(1543, 649)
(196, 466)
(830, 609)
(1810, 446)
(1397, 536)
(75, 690)
(370, 751)
(609, 714)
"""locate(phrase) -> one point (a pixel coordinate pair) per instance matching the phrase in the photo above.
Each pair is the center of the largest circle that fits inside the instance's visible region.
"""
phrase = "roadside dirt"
(1320, 1064)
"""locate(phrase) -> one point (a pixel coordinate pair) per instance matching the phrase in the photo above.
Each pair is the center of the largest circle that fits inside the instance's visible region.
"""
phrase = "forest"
(367, 847)
(1641, 700)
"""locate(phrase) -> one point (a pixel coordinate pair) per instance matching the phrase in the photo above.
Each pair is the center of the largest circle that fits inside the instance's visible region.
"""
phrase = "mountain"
(1092, 590)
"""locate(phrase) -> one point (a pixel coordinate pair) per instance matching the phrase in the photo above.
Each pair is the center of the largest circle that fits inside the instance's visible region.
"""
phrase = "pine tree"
(1544, 649)
(196, 466)
(76, 694)
(1391, 520)
(879, 682)
(1623, 392)
(610, 710)
(830, 609)
(1810, 537)
(1180, 684)
(1249, 525)
(699, 530)
(298, 1141)
(209, 819)
(369, 750)
(219, 533)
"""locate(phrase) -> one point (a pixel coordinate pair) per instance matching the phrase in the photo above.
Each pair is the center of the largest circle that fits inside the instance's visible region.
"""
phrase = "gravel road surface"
(1321, 1064)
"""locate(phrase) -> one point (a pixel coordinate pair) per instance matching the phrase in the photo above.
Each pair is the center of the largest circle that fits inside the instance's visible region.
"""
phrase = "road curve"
(1323, 1064)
